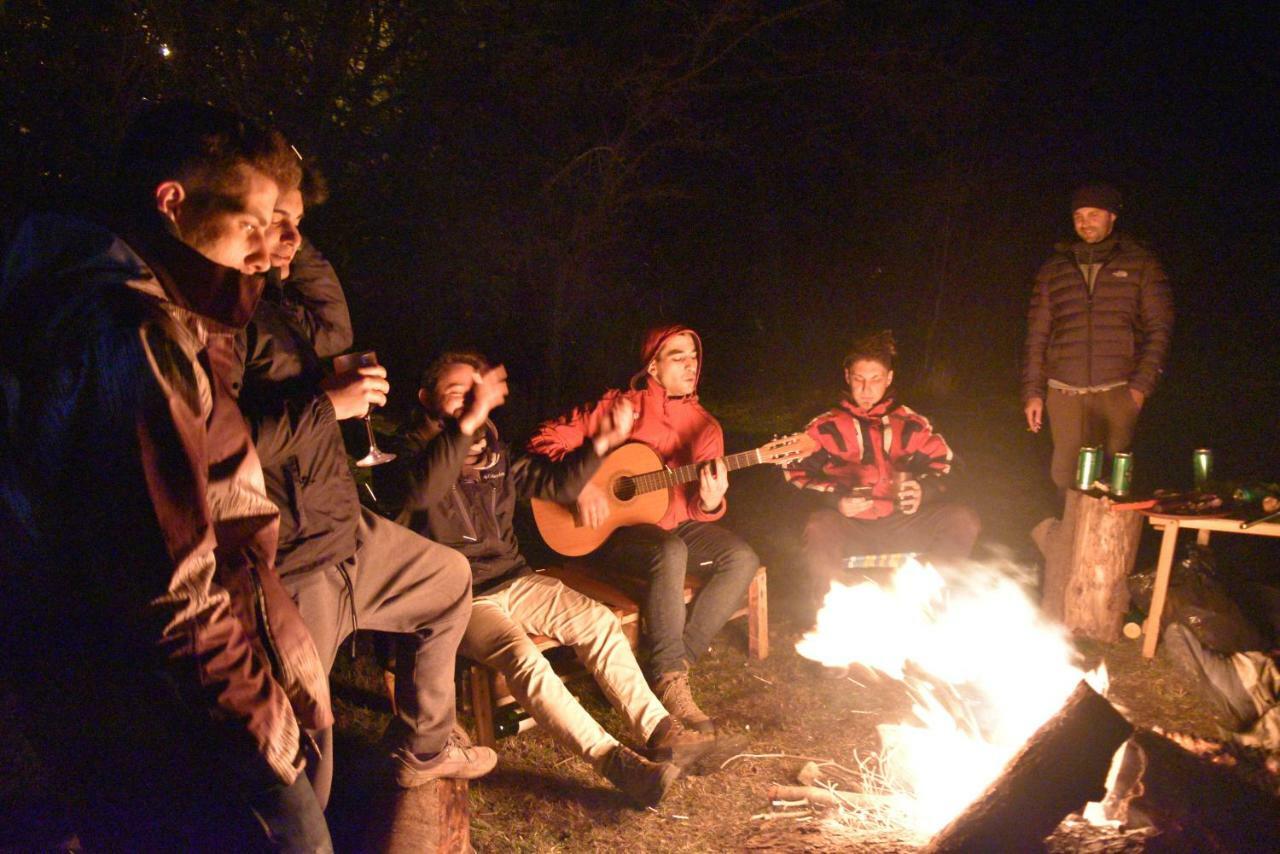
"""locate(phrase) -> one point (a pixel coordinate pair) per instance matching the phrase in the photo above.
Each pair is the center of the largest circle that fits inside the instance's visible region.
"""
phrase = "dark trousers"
(1107, 418)
(662, 558)
(138, 768)
(941, 531)
(402, 583)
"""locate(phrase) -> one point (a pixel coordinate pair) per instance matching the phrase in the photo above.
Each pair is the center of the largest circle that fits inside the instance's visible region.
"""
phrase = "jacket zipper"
(1088, 309)
(466, 517)
(264, 631)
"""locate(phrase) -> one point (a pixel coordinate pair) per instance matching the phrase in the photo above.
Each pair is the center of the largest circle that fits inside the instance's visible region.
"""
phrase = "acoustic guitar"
(638, 489)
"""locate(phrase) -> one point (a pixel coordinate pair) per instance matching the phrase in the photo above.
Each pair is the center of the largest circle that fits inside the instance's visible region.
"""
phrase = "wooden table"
(1203, 527)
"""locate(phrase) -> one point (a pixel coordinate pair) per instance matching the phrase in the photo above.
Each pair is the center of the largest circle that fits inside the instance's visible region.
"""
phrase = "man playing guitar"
(669, 420)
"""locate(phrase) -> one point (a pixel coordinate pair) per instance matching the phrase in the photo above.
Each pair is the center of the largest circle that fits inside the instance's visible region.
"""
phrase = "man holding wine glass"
(347, 567)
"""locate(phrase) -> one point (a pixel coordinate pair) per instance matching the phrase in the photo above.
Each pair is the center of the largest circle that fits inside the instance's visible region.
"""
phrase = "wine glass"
(349, 362)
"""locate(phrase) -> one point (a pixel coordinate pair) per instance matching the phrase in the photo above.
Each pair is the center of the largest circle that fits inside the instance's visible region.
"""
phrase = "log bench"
(485, 690)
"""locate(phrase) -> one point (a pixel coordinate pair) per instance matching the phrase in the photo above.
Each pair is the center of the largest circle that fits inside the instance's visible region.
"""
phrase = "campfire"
(1007, 734)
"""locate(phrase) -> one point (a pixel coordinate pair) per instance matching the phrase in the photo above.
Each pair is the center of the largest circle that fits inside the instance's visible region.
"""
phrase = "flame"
(983, 668)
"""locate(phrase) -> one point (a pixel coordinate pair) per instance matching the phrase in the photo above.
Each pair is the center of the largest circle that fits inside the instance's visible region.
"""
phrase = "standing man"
(165, 675)
(345, 566)
(883, 472)
(671, 421)
(1097, 335)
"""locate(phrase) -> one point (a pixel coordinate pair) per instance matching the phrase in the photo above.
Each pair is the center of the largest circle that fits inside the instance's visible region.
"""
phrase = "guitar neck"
(667, 478)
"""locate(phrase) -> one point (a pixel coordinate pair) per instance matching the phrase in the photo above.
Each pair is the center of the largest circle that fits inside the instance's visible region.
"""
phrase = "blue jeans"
(292, 817)
(662, 558)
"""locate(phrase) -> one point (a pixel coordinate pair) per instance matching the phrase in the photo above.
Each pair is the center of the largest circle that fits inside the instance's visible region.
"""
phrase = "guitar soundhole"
(624, 489)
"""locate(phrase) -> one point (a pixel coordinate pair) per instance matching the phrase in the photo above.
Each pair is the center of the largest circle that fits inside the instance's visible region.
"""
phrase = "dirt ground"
(774, 715)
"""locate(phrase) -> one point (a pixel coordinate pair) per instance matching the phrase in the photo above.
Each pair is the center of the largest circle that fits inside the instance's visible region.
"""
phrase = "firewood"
(1199, 804)
(1060, 768)
(826, 797)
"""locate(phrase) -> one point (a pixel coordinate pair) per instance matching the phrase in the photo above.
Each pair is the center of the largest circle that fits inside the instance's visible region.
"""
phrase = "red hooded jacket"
(678, 429)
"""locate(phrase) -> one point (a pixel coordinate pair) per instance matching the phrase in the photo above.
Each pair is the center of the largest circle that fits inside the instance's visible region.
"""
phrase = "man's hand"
(488, 392)
(852, 505)
(909, 496)
(593, 506)
(1035, 414)
(713, 483)
(615, 427)
(353, 392)
(1138, 397)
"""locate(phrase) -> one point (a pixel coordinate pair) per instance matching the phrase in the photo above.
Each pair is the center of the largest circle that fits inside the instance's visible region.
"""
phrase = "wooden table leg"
(1164, 568)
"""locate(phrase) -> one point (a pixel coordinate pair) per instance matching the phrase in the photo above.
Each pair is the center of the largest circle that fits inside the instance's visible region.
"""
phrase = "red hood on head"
(653, 341)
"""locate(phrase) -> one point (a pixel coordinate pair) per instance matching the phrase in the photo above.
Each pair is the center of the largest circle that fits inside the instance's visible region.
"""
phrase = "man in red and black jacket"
(882, 470)
(671, 421)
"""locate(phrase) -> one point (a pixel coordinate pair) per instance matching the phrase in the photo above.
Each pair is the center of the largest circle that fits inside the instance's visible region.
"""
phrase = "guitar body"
(559, 524)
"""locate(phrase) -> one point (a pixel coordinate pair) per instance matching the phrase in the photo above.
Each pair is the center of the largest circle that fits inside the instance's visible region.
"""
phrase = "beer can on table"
(1121, 474)
(1202, 466)
(1088, 466)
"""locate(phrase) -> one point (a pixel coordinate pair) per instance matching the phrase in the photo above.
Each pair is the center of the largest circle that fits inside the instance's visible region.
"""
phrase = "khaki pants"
(498, 636)
(1261, 678)
(1107, 418)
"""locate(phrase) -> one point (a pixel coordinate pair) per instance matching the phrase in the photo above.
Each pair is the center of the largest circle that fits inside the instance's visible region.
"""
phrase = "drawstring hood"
(653, 341)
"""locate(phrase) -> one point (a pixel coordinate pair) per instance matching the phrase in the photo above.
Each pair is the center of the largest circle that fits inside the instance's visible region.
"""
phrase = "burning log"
(1088, 555)
(1061, 767)
(1197, 803)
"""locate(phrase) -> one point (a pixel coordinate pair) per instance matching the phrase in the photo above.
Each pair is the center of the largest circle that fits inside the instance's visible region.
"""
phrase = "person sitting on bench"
(456, 482)
(863, 443)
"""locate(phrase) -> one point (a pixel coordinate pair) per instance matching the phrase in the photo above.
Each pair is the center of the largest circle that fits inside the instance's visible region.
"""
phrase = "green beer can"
(1088, 466)
(1121, 474)
(1202, 466)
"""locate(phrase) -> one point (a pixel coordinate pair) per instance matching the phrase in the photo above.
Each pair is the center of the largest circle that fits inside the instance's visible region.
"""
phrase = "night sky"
(544, 182)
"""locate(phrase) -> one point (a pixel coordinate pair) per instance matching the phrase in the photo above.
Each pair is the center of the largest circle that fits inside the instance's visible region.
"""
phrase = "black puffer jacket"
(1118, 332)
(431, 490)
(292, 420)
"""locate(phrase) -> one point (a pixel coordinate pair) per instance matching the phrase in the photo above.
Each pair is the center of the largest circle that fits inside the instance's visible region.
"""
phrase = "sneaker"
(673, 690)
(639, 779)
(456, 762)
(672, 742)
(1214, 673)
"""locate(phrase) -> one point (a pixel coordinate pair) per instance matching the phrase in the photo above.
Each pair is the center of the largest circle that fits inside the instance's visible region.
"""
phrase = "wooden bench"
(486, 690)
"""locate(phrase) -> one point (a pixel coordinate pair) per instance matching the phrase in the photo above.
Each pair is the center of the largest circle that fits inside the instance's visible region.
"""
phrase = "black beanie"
(1103, 196)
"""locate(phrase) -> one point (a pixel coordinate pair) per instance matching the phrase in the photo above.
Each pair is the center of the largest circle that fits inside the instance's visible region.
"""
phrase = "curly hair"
(877, 346)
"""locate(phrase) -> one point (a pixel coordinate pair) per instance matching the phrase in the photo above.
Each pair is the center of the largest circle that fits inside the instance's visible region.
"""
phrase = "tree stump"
(434, 817)
(1088, 555)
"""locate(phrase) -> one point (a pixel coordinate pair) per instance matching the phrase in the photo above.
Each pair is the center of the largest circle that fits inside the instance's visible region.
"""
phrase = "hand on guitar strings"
(615, 427)
(593, 506)
(488, 392)
(713, 483)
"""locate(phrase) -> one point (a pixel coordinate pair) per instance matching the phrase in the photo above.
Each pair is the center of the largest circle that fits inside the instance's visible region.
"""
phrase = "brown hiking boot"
(673, 690)
(643, 781)
(672, 742)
